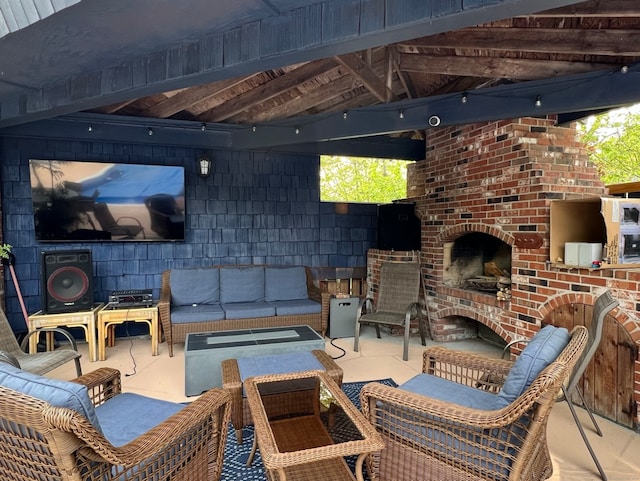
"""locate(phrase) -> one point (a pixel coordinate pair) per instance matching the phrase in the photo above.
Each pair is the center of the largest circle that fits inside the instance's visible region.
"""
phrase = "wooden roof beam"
(539, 40)
(494, 67)
(594, 8)
(364, 74)
(269, 90)
(305, 102)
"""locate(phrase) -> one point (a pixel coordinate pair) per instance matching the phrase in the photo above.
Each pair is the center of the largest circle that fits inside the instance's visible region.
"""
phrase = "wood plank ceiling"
(585, 37)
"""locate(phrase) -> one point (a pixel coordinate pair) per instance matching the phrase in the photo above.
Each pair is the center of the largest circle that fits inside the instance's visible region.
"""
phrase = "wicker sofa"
(222, 298)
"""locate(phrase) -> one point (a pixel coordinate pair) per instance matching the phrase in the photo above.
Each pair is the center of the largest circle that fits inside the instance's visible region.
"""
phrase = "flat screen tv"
(75, 201)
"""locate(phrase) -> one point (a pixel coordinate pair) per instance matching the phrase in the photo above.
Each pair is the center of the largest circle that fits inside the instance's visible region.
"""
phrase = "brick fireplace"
(494, 182)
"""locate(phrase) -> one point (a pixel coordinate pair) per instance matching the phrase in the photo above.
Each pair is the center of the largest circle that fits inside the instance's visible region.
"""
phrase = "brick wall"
(499, 178)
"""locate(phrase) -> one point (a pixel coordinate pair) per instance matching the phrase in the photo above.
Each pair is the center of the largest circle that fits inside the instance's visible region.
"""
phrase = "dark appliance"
(398, 227)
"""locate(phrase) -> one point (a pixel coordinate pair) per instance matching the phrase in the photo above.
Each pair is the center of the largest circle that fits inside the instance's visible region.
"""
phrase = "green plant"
(5, 250)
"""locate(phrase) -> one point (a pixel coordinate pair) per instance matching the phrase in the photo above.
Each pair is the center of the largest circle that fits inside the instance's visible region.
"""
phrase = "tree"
(360, 179)
(613, 140)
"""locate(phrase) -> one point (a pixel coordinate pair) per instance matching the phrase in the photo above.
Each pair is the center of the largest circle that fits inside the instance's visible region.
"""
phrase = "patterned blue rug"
(235, 456)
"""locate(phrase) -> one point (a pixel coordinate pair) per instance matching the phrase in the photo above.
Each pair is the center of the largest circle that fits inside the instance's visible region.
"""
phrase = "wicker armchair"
(40, 441)
(430, 438)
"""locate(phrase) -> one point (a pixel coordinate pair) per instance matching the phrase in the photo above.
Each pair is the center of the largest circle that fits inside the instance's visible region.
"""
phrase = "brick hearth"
(499, 179)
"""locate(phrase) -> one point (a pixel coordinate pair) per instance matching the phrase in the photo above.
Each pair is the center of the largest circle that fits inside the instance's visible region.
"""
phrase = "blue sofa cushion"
(194, 286)
(197, 313)
(57, 393)
(449, 391)
(126, 416)
(246, 310)
(540, 351)
(241, 284)
(296, 307)
(285, 283)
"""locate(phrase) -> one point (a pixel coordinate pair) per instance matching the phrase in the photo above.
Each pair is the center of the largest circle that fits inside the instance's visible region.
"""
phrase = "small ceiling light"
(624, 69)
(203, 127)
(90, 129)
(434, 121)
(150, 131)
(345, 114)
(204, 166)
(297, 130)
(401, 114)
(538, 103)
(254, 128)
(464, 98)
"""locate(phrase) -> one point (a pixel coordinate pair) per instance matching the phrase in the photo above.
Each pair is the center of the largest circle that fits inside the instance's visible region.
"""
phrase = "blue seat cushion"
(296, 307)
(241, 284)
(194, 286)
(449, 391)
(281, 363)
(246, 310)
(197, 313)
(285, 283)
(53, 391)
(126, 416)
(278, 364)
(490, 454)
(540, 351)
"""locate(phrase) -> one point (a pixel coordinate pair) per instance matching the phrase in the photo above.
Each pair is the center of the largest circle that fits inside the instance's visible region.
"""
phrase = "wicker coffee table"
(294, 416)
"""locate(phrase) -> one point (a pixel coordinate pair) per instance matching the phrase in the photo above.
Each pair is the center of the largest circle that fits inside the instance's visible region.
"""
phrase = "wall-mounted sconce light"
(204, 166)
(538, 102)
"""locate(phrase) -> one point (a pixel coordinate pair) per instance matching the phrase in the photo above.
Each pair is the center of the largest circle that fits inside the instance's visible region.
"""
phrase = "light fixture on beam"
(538, 102)
(434, 121)
(150, 132)
(204, 165)
(465, 98)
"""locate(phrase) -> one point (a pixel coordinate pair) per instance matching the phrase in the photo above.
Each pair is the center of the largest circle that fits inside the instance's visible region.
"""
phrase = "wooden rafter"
(493, 67)
(360, 70)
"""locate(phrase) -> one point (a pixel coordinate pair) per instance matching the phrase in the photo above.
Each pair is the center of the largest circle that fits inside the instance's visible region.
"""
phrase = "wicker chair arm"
(102, 384)
(542, 391)
(466, 368)
(24, 345)
(173, 439)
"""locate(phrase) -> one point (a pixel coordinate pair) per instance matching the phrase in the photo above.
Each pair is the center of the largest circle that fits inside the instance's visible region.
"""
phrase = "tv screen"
(95, 201)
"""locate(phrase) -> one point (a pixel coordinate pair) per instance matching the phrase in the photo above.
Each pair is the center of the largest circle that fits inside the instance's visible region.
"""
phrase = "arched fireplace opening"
(467, 328)
(477, 261)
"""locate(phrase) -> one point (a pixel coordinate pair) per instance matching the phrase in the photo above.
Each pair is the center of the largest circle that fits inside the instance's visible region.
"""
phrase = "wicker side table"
(232, 379)
(303, 444)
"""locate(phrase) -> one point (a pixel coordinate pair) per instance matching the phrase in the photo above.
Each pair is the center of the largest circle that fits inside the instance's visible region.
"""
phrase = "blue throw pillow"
(57, 393)
(194, 286)
(285, 283)
(241, 284)
(541, 351)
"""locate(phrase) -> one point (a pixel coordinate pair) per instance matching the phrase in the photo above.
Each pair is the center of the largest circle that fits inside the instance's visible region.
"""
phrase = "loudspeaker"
(398, 227)
(67, 281)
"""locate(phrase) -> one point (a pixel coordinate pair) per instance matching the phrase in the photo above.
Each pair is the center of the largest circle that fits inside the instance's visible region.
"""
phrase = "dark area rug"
(235, 455)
